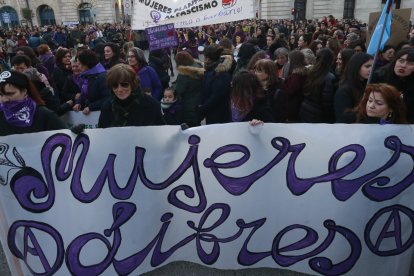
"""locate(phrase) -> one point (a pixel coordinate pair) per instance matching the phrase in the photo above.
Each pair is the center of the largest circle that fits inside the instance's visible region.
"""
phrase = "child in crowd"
(171, 107)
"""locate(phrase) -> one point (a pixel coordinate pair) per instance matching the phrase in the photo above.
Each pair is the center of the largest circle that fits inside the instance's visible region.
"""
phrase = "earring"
(389, 115)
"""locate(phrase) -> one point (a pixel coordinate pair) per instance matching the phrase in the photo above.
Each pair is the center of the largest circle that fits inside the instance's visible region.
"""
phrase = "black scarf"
(122, 108)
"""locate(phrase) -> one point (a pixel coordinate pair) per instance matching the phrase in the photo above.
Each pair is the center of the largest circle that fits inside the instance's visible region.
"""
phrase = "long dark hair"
(316, 76)
(351, 76)
(245, 90)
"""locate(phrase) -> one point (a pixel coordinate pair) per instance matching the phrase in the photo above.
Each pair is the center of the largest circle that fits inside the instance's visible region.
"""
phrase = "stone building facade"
(359, 9)
(50, 12)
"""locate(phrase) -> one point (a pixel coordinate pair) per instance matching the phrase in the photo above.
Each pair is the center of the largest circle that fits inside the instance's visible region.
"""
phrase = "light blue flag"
(373, 44)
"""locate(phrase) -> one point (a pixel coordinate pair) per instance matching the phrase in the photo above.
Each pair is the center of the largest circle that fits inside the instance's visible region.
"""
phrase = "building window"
(397, 4)
(47, 16)
(349, 8)
(9, 17)
(85, 16)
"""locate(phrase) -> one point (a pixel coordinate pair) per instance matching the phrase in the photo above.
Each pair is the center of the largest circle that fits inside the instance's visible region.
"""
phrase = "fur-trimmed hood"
(191, 71)
(226, 64)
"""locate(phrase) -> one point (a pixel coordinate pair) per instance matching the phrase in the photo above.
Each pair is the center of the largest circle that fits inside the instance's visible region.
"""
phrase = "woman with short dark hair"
(112, 55)
(128, 106)
(94, 91)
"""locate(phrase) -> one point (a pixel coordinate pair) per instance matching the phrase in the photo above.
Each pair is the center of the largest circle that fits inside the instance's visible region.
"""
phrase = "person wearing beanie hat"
(22, 109)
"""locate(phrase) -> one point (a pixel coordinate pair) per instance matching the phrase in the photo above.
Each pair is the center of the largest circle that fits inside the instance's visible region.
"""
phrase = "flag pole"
(379, 41)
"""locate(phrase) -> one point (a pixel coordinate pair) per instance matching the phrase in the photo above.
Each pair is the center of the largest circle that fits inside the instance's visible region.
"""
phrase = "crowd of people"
(281, 71)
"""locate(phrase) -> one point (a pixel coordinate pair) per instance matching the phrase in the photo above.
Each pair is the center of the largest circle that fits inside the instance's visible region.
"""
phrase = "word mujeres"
(27, 183)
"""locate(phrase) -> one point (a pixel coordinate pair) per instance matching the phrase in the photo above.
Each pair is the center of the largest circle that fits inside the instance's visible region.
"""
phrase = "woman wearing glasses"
(128, 106)
(400, 74)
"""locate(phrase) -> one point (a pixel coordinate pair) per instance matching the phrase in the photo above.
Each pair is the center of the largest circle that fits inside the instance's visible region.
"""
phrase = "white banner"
(73, 118)
(127, 7)
(189, 13)
(308, 198)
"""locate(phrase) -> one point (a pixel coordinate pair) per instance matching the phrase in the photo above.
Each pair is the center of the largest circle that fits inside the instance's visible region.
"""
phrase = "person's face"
(238, 39)
(19, 67)
(66, 59)
(263, 78)
(269, 40)
(377, 107)
(301, 41)
(318, 47)
(122, 90)
(358, 49)
(12, 93)
(339, 61)
(411, 34)
(132, 59)
(403, 67)
(108, 53)
(75, 68)
(281, 59)
(169, 96)
(365, 70)
(389, 54)
(292, 40)
(301, 32)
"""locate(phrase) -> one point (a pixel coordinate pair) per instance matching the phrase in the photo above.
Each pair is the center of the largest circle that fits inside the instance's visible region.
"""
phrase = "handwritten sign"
(308, 198)
(161, 37)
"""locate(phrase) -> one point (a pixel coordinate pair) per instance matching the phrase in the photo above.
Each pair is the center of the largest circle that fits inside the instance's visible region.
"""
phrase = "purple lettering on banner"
(36, 193)
(380, 192)
(239, 185)
(36, 250)
(247, 257)
(320, 264)
(121, 213)
(396, 233)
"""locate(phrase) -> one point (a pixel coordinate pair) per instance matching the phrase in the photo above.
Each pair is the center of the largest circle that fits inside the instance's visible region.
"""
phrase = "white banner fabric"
(318, 199)
(189, 13)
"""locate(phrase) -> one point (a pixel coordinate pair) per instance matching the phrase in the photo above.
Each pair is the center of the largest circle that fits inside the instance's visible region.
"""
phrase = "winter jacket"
(319, 107)
(189, 86)
(215, 98)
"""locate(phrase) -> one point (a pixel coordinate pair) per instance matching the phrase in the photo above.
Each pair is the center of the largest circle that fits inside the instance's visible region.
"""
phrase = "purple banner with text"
(161, 37)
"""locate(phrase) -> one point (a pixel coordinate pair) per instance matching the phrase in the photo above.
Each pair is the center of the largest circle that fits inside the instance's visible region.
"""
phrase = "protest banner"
(400, 25)
(309, 198)
(73, 118)
(189, 13)
(161, 37)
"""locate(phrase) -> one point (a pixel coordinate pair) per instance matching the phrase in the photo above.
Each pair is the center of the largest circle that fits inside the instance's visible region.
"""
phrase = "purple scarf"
(97, 69)
(19, 113)
(237, 115)
(77, 80)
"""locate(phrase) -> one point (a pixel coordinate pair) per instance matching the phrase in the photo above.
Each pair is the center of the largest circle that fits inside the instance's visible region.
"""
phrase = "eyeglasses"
(122, 84)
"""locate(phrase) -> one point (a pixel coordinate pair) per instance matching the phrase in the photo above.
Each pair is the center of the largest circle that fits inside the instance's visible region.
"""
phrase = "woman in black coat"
(215, 98)
(94, 91)
(128, 106)
(319, 91)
